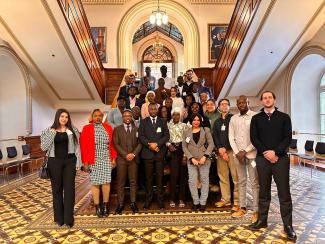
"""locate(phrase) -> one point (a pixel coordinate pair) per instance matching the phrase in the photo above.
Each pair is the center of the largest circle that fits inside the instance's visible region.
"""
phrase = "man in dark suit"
(129, 81)
(132, 101)
(153, 135)
(271, 134)
(127, 145)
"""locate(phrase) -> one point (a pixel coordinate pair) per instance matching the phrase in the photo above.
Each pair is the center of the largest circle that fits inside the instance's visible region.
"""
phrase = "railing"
(77, 21)
(241, 20)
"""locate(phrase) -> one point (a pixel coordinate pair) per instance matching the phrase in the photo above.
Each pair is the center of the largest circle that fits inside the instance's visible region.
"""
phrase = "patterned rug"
(26, 217)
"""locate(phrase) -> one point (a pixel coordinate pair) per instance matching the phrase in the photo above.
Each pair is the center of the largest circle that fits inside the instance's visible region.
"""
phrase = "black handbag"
(43, 171)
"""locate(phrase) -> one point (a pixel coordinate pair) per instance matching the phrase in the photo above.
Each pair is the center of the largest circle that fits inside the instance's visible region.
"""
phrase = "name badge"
(69, 132)
(253, 163)
(187, 140)
(223, 128)
(136, 134)
(184, 93)
(158, 130)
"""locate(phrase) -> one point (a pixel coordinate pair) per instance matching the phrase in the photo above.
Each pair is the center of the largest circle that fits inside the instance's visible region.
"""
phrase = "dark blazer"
(147, 133)
(120, 139)
(138, 103)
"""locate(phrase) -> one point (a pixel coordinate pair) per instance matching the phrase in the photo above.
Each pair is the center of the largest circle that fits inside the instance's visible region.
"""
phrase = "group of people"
(200, 140)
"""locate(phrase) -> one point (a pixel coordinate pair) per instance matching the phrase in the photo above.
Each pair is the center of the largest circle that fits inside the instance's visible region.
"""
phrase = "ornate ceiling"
(121, 2)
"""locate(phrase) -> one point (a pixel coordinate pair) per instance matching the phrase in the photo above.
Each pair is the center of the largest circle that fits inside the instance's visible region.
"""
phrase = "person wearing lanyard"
(225, 162)
(244, 156)
(178, 170)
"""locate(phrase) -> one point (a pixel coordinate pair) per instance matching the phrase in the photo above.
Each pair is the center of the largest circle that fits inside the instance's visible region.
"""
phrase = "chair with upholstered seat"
(25, 157)
(12, 161)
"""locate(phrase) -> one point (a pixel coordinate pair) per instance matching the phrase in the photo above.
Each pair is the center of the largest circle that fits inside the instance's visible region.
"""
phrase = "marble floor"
(26, 217)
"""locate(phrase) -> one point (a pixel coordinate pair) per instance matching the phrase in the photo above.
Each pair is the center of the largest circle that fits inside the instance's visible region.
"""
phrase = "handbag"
(43, 172)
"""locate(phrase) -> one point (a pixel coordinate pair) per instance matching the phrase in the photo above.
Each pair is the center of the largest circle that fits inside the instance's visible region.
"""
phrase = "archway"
(15, 96)
(139, 14)
(305, 96)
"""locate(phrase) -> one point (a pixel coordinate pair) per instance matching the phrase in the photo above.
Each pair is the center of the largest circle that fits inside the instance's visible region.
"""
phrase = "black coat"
(147, 133)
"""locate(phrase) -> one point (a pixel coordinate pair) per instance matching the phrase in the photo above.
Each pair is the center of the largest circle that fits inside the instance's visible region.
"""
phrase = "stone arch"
(18, 75)
(139, 14)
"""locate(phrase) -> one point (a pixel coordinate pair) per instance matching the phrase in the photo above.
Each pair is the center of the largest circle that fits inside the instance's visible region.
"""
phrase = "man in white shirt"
(169, 83)
(244, 156)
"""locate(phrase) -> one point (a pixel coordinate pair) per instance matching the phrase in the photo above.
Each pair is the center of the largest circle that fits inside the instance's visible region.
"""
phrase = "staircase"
(240, 22)
(107, 81)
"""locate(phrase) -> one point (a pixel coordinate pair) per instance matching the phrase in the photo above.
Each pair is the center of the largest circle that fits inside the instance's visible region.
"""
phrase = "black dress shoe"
(59, 223)
(105, 209)
(69, 225)
(134, 207)
(291, 235)
(195, 207)
(99, 212)
(258, 225)
(202, 208)
(119, 209)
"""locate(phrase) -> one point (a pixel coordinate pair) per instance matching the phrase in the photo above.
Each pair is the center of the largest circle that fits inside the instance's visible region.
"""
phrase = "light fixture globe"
(158, 16)
(152, 18)
(159, 22)
(165, 19)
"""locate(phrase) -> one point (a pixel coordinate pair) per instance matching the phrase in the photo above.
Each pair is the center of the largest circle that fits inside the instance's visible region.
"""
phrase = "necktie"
(269, 114)
(154, 122)
(128, 129)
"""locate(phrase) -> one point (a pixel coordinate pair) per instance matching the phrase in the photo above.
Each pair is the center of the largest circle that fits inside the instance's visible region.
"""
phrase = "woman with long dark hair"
(98, 157)
(197, 145)
(61, 141)
(196, 108)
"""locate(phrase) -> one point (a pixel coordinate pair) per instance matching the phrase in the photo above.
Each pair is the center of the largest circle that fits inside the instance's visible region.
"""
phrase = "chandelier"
(158, 16)
(157, 45)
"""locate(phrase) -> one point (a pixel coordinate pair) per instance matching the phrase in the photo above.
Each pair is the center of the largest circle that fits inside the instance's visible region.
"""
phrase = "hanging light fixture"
(157, 45)
(158, 16)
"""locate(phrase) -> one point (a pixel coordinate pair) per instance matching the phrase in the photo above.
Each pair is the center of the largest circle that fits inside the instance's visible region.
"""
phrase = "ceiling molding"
(9, 52)
(249, 49)
(292, 47)
(66, 46)
(104, 2)
(308, 49)
(204, 2)
(121, 2)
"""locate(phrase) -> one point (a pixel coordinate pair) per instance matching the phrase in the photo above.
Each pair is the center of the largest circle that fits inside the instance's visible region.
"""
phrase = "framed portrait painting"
(99, 35)
(217, 34)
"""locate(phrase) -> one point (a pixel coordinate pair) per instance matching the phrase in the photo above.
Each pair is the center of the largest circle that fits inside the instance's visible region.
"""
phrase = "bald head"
(242, 104)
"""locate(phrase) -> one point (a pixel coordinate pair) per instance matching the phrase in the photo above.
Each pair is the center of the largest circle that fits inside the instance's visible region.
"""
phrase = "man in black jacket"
(271, 134)
(153, 135)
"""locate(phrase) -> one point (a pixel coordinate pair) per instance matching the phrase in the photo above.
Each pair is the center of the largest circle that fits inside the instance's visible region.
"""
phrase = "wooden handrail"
(241, 20)
(77, 21)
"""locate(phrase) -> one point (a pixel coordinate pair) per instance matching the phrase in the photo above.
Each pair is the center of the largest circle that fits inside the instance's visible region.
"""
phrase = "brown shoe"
(240, 213)
(222, 203)
(254, 217)
(235, 208)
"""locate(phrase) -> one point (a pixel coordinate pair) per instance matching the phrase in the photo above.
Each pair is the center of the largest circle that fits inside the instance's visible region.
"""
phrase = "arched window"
(322, 107)
(155, 58)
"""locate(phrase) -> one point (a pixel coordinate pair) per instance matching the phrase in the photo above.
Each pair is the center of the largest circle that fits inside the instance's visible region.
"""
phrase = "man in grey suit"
(127, 145)
(153, 135)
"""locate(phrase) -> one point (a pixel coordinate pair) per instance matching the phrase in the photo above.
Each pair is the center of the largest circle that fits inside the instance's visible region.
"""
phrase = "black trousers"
(154, 166)
(62, 172)
(178, 173)
(280, 173)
